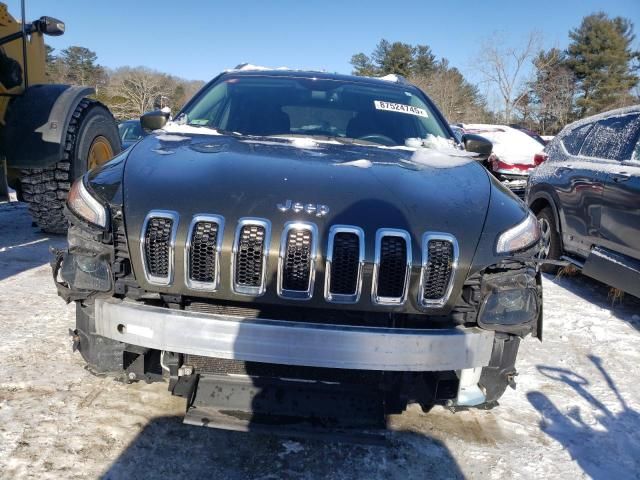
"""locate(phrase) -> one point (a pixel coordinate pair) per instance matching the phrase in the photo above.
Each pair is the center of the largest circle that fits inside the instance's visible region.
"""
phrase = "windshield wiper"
(328, 138)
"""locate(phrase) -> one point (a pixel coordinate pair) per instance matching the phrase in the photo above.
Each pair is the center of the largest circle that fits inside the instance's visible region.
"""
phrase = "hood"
(369, 187)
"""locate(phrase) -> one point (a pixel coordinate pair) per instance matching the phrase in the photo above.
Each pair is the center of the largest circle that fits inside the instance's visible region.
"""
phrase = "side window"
(574, 139)
(636, 153)
(613, 138)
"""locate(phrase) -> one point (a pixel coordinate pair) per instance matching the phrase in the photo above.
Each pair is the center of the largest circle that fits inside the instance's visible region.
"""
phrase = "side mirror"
(154, 120)
(49, 26)
(477, 144)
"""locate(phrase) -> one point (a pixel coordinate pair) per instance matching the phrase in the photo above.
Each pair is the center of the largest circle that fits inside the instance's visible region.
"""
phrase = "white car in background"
(515, 153)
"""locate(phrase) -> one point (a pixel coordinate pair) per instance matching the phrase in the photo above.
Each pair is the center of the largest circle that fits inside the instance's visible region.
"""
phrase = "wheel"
(91, 140)
(550, 239)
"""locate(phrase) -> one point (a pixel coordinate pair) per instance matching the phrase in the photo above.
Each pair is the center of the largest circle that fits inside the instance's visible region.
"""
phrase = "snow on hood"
(432, 151)
(510, 145)
(179, 127)
(438, 152)
(166, 137)
(363, 163)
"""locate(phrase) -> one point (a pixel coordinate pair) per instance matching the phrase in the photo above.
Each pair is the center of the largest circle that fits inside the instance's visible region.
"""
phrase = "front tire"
(550, 239)
(91, 140)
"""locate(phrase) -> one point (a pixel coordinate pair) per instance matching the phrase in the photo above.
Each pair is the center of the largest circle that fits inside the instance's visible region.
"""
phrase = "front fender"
(36, 123)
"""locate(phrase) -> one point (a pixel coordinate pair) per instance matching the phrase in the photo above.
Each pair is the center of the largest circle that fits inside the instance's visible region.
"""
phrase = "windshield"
(271, 106)
(130, 131)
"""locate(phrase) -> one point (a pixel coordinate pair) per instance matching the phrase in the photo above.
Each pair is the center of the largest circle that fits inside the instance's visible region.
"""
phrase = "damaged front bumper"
(293, 343)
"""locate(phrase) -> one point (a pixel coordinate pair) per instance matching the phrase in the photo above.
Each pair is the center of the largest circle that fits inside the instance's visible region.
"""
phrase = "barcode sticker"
(401, 108)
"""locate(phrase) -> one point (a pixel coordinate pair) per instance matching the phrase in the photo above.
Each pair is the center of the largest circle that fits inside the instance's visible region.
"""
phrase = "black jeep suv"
(303, 245)
(587, 197)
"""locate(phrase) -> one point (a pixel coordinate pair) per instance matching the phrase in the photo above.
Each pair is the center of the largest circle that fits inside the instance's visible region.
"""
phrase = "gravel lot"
(574, 414)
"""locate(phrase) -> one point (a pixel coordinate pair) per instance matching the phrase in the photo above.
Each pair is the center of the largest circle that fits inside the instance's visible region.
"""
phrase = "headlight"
(523, 235)
(85, 206)
(509, 299)
(509, 307)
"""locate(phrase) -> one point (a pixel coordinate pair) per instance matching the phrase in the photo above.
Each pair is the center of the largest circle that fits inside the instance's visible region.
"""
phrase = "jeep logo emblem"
(316, 209)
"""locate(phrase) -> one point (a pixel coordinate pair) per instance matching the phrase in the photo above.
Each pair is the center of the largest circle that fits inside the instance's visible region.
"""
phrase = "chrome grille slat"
(296, 262)
(250, 253)
(392, 267)
(345, 259)
(157, 243)
(202, 252)
(439, 263)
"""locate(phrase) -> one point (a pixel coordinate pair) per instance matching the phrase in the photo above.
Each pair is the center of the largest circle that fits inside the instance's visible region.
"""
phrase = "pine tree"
(80, 66)
(363, 66)
(397, 57)
(552, 91)
(601, 57)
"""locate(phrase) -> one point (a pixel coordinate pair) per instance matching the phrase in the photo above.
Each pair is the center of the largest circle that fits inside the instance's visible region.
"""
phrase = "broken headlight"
(85, 206)
(509, 299)
(519, 237)
(85, 272)
(509, 307)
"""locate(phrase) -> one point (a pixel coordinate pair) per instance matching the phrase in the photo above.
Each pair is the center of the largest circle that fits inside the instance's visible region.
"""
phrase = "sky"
(198, 39)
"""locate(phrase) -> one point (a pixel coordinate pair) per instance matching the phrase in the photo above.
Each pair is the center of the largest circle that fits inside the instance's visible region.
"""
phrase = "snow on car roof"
(510, 145)
(249, 67)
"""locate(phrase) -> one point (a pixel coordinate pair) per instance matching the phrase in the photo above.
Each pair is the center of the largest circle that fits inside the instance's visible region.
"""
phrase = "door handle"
(561, 170)
(621, 177)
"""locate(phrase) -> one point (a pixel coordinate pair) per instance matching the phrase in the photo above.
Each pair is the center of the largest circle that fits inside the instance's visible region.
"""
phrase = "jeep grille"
(440, 258)
(296, 267)
(157, 246)
(203, 252)
(250, 257)
(345, 258)
(344, 274)
(392, 267)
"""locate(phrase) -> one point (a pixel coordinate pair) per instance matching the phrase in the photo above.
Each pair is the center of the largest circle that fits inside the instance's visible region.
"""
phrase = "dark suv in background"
(587, 197)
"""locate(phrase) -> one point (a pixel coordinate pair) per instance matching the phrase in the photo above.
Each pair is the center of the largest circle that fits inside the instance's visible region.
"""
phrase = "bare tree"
(504, 67)
(134, 91)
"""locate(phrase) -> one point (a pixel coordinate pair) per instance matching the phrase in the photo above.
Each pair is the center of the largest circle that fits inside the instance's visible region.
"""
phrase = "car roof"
(388, 80)
(600, 116)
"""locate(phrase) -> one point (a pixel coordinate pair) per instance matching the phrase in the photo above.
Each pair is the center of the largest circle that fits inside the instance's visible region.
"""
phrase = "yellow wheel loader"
(50, 134)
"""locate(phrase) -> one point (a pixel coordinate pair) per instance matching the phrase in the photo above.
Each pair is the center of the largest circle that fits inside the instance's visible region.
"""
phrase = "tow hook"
(75, 346)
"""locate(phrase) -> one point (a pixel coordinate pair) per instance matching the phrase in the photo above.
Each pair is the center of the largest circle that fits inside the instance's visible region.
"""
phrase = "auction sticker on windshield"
(399, 107)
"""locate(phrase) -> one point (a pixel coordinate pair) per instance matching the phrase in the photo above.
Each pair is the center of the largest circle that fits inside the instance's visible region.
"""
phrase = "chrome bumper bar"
(292, 343)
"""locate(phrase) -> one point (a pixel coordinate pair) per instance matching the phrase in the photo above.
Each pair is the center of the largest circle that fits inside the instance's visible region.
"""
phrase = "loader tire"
(91, 139)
